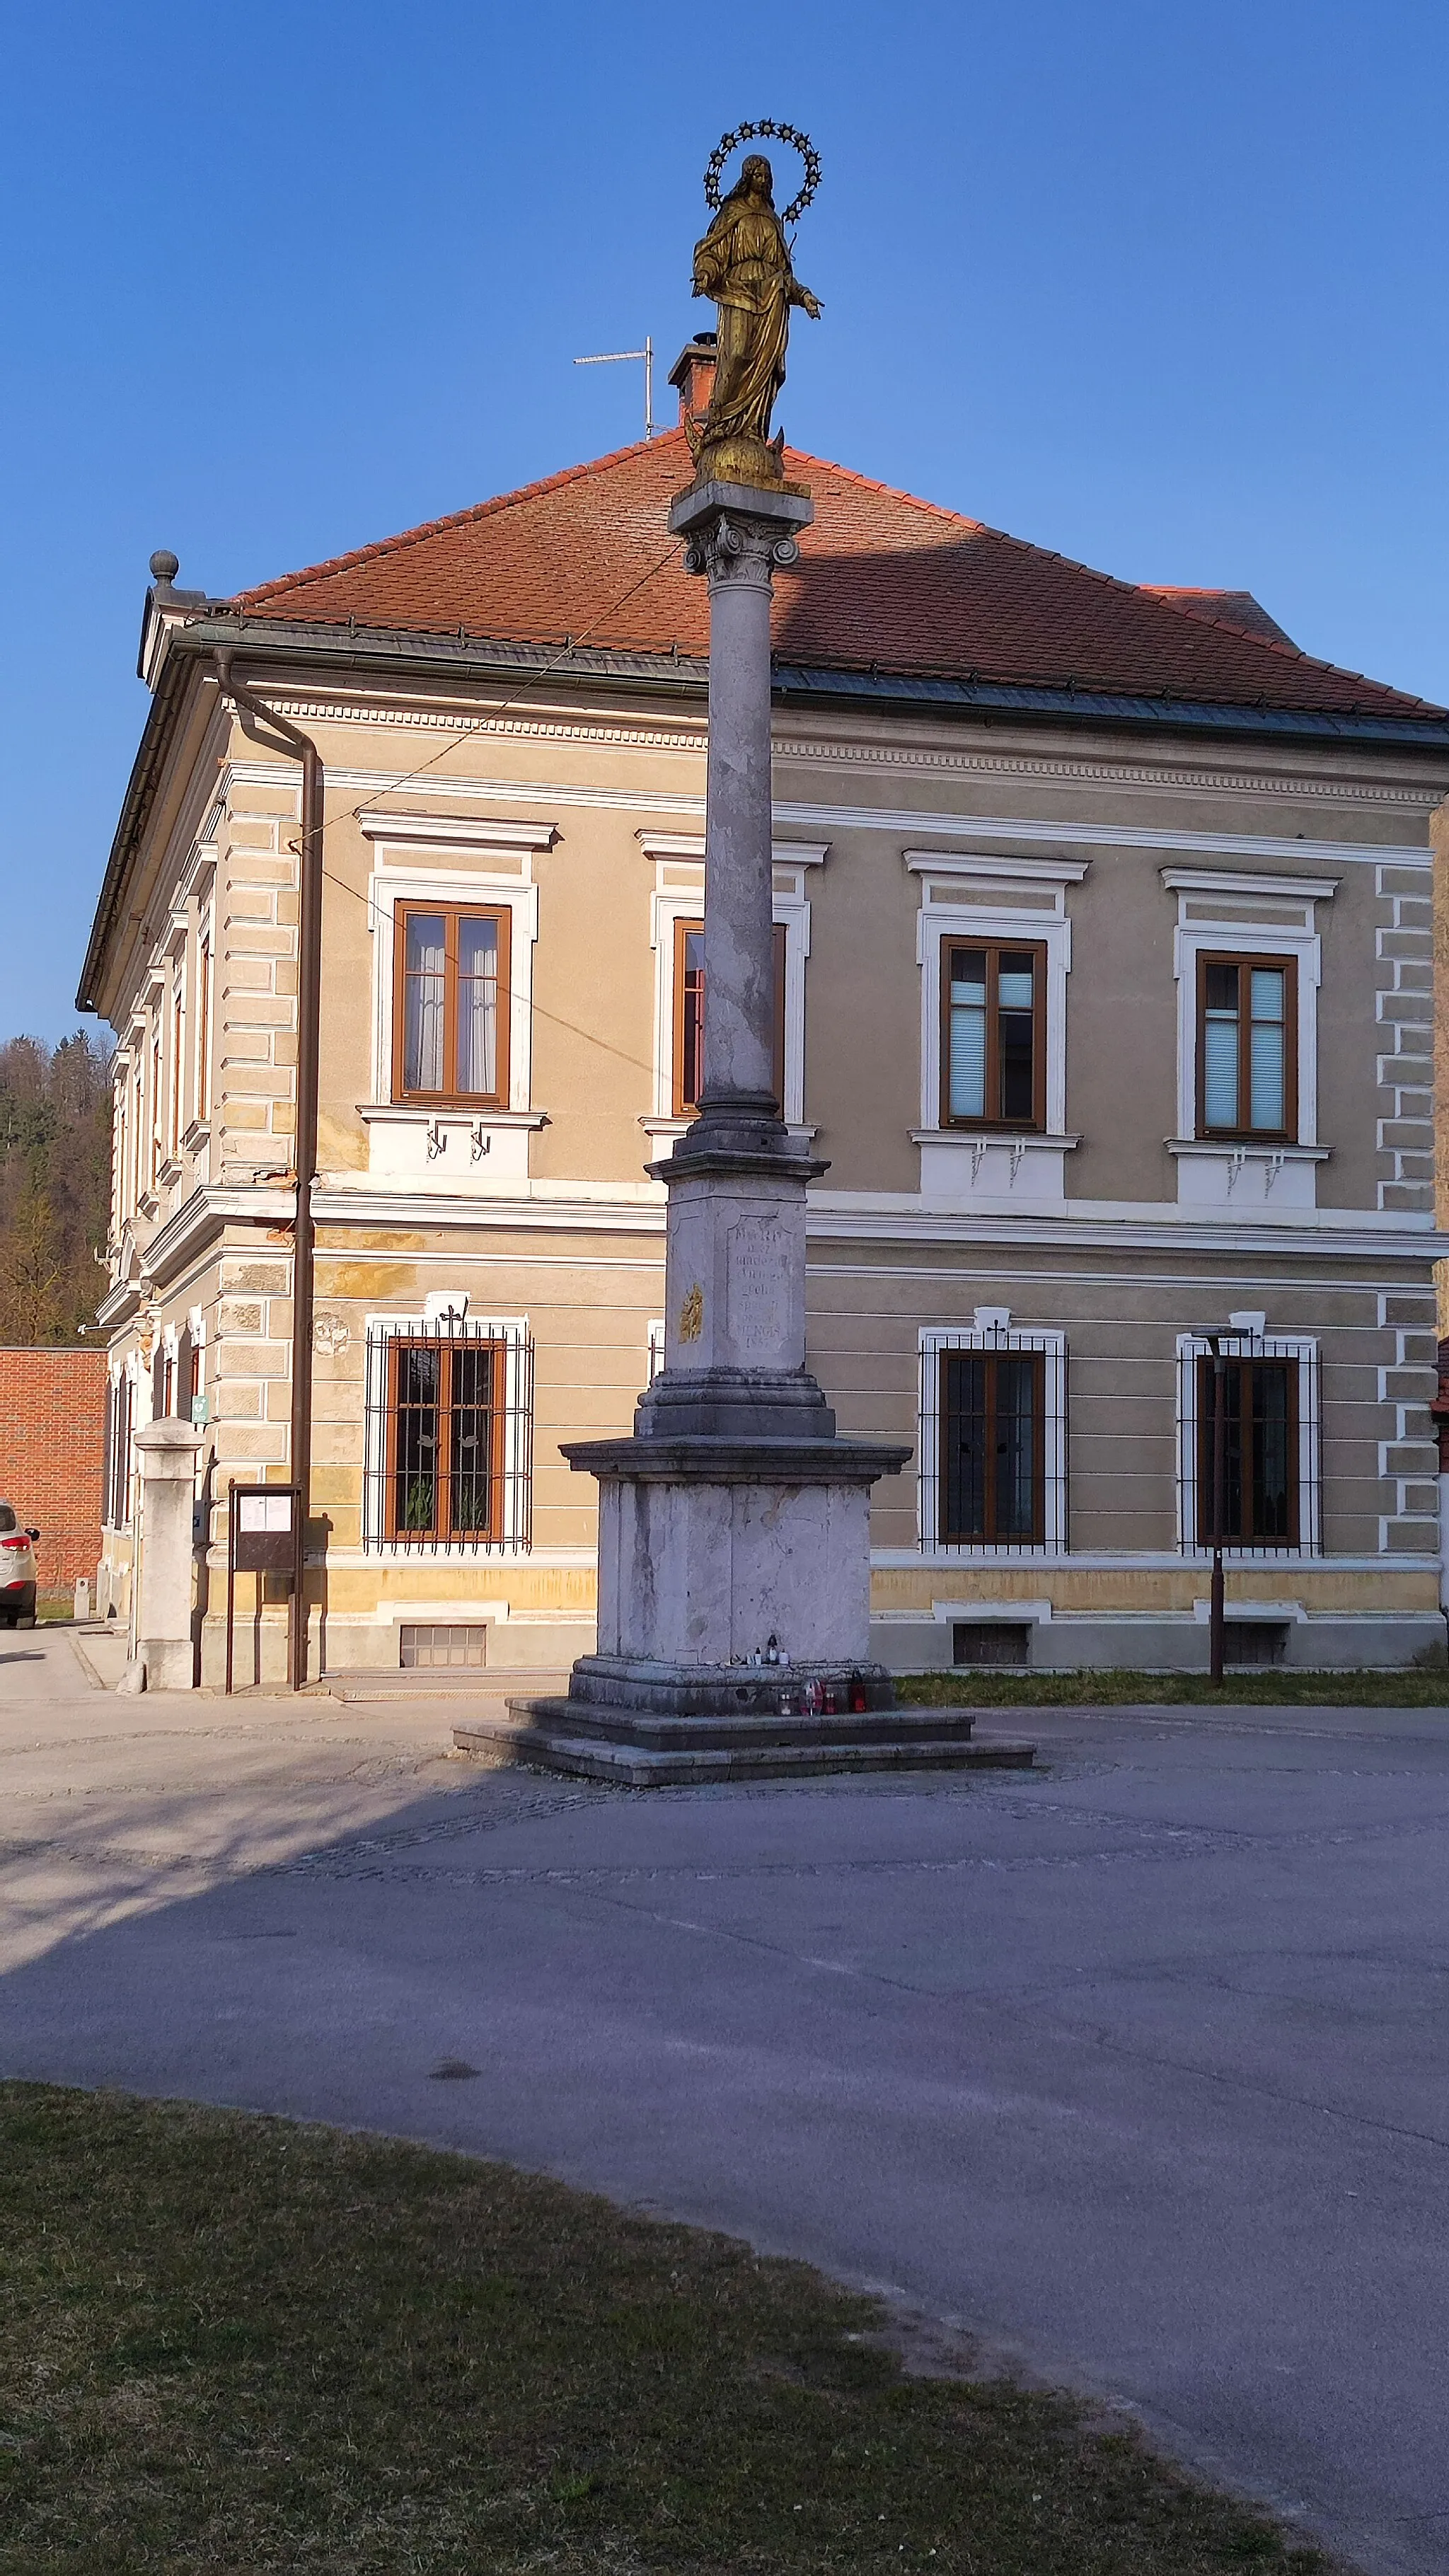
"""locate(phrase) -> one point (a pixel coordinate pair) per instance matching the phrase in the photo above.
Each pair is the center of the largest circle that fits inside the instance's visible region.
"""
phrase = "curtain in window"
(478, 1006)
(423, 1010)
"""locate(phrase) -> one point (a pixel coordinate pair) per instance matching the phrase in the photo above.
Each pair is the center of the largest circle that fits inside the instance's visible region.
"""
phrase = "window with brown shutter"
(450, 1004)
(993, 1035)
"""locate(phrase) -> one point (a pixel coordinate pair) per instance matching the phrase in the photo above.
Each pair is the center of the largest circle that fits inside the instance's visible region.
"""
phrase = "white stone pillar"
(166, 1453)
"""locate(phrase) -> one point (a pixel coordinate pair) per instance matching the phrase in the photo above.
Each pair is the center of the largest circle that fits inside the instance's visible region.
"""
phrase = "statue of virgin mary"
(743, 265)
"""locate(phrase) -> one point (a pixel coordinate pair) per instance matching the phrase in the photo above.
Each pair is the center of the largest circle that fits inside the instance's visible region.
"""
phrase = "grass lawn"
(969, 1686)
(234, 2344)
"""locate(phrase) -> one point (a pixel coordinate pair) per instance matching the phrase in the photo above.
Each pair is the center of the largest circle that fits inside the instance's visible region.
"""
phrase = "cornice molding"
(681, 733)
(903, 822)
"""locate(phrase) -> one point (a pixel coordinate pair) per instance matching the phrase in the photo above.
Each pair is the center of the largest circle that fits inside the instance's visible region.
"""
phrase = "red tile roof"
(884, 581)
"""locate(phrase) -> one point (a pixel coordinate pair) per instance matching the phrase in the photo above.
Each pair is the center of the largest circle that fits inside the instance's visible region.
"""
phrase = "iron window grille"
(449, 1437)
(992, 1441)
(1273, 1482)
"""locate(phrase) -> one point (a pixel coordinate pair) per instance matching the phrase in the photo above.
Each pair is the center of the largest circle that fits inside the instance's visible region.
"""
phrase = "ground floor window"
(116, 1475)
(449, 1435)
(1270, 1407)
(992, 1444)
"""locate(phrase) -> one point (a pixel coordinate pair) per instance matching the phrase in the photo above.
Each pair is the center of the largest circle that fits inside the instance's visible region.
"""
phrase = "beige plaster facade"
(575, 804)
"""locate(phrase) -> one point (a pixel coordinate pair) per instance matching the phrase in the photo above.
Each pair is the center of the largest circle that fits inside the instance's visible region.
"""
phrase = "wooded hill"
(55, 1155)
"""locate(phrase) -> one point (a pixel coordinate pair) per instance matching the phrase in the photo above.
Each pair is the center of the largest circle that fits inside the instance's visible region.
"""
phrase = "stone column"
(166, 1454)
(737, 539)
(734, 1527)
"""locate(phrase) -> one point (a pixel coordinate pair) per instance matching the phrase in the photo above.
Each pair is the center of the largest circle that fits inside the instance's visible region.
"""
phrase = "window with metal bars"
(689, 1016)
(1272, 1443)
(992, 1448)
(449, 1436)
(1260, 1451)
(992, 1482)
(117, 1477)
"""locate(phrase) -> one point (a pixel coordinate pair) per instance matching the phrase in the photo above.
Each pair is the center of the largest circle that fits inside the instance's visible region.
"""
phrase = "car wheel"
(10, 1617)
(27, 1620)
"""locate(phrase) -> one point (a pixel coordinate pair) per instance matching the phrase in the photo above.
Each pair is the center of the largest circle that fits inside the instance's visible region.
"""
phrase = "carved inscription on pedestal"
(758, 1296)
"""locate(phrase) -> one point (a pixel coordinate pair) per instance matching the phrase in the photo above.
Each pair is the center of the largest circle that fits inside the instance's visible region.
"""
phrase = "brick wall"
(52, 1433)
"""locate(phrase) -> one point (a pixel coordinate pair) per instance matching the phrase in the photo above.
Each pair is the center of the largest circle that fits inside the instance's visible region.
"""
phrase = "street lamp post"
(1220, 1478)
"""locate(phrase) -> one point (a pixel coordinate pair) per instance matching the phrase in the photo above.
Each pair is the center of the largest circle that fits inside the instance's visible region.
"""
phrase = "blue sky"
(1161, 287)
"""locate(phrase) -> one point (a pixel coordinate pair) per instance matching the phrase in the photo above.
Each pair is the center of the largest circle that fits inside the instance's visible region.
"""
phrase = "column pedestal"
(735, 1522)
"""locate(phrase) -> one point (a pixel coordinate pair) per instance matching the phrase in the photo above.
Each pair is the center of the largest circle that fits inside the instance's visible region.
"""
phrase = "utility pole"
(615, 358)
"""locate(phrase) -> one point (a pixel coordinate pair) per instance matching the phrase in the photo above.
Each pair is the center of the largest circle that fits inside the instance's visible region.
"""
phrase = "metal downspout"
(309, 995)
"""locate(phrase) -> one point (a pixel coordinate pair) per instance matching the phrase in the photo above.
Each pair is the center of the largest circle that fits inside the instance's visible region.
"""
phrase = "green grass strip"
(236, 2345)
(969, 1686)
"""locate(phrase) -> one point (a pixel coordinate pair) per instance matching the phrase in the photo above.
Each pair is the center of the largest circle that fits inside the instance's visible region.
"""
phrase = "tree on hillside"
(55, 1152)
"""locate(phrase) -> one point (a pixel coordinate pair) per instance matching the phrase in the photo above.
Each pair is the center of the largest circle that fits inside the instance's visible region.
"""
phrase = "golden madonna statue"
(743, 265)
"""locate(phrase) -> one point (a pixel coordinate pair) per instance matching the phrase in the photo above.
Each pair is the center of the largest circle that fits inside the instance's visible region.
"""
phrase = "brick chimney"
(694, 375)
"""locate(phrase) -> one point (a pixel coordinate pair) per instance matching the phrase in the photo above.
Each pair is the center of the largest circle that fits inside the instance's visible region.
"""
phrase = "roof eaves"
(1429, 731)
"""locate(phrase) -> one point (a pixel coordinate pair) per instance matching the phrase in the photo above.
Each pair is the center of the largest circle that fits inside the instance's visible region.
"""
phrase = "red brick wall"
(52, 1434)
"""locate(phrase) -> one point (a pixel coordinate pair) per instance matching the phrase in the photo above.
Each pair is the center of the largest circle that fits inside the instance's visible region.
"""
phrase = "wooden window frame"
(1245, 961)
(994, 948)
(684, 929)
(442, 1531)
(1245, 1363)
(989, 1536)
(451, 914)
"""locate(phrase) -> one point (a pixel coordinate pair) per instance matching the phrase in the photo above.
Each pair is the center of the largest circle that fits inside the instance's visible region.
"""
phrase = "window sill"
(468, 1152)
(465, 1113)
(963, 1165)
(676, 1127)
(1227, 1173)
(1278, 1146)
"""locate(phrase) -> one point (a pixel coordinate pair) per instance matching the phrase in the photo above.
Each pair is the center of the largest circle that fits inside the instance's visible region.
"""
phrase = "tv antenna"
(614, 358)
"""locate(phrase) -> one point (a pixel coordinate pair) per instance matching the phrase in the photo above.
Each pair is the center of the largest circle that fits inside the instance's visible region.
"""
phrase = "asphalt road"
(1139, 2066)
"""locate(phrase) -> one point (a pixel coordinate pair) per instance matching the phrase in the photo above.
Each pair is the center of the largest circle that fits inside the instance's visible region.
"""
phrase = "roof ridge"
(476, 510)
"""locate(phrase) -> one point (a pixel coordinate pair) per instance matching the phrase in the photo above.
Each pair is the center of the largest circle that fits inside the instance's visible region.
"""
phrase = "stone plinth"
(166, 1453)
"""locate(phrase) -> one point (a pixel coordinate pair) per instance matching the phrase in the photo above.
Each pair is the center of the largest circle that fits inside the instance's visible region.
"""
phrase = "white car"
(17, 1570)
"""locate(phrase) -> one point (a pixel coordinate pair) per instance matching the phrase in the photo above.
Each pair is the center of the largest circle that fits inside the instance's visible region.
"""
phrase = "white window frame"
(992, 1330)
(1248, 916)
(417, 862)
(438, 1311)
(1302, 1348)
(1020, 901)
(679, 895)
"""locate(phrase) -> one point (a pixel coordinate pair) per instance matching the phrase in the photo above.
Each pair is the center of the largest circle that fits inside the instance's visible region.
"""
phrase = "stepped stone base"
(659, 1729)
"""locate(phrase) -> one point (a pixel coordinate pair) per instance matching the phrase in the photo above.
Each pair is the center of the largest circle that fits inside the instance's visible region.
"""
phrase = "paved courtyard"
(1139, 2065)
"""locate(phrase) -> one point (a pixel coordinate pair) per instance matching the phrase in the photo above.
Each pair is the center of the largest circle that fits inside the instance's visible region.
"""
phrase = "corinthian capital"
(740, 552)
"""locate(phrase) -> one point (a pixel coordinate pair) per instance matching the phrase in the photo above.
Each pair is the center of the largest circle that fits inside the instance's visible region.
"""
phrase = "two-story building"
(1105, 969)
